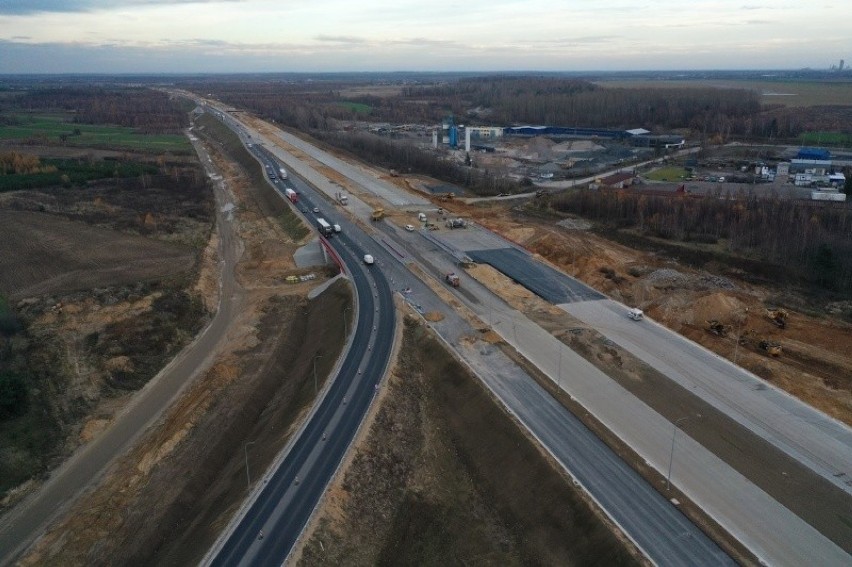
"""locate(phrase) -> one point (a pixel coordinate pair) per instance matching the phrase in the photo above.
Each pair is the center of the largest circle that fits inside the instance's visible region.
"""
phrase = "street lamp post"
(316, 388)
(740, 335)
(345, 322)
(559, 372)
(248, 478)
(671, 455)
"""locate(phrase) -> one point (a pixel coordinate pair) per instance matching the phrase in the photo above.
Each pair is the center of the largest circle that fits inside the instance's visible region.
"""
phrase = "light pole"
(671, 455)
(740, 335)
(345, 322)
(559, 377)
(316, 389)
(248, 478)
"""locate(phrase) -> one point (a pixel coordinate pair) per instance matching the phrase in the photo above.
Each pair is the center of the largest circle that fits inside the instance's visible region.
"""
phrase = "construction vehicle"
(378, 214)
(342, 198)
(778, 317)
(446, 197)
(456, 223)
(393, 173)
(771, 347)
(452, 279)
(717, 328)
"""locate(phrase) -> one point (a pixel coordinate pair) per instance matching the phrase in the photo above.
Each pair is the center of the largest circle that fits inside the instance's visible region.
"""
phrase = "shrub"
(13, 395)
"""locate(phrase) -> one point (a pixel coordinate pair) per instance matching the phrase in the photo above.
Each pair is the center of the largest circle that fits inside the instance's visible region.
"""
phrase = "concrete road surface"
(808, 435)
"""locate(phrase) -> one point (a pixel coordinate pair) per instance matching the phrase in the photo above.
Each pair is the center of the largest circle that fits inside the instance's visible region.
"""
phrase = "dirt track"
(177, 487)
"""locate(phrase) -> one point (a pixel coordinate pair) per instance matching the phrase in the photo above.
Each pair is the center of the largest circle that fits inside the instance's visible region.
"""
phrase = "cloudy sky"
(152, 36)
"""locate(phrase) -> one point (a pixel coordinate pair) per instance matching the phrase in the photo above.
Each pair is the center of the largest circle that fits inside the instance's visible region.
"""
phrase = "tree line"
(409, 158)
(149, 111)
(810, 241)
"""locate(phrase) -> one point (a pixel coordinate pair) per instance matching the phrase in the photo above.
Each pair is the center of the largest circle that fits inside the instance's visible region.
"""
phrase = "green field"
(49, 127)
(827, 139)
(667, 174)
(356, 107)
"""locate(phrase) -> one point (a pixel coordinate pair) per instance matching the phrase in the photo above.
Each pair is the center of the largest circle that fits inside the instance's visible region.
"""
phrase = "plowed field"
(44, 254)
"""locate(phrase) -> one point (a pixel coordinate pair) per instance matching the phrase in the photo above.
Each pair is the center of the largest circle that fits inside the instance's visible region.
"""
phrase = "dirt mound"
(434, 316)
(726, 308)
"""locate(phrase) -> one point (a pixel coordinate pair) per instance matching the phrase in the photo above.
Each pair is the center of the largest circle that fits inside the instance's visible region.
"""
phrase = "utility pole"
(248, 478)
(671, 455)
(740, 335)
(316, 388)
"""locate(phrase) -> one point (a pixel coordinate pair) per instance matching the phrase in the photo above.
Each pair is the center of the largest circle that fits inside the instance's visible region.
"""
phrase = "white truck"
(283, 173)
(636, 314)
(342, 198)
(324, 227)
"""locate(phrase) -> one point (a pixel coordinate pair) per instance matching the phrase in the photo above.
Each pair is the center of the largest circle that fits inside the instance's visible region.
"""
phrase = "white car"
(316, 209)
(336, 227)
(369, 260)
(409, 228)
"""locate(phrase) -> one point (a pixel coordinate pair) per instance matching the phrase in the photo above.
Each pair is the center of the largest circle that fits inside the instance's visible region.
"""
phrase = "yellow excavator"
(717, 328)
(778, 317)
(378, 214)
(771, 347)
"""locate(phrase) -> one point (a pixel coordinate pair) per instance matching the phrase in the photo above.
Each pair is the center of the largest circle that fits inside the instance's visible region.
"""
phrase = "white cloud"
(268, 35)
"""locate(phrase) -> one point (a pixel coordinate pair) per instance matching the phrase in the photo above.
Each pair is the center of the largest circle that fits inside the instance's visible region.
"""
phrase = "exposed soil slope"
(446, 477)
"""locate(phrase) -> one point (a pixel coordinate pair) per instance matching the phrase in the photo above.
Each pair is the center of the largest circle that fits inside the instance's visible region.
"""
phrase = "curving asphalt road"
(284, 504)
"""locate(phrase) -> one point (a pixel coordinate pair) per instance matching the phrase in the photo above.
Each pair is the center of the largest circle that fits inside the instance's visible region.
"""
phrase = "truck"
(342, 198)
(292, 195)
(378, 214)
(636, 314)
(283, 173)
(456, 223)
(324, 227)
(453, 279)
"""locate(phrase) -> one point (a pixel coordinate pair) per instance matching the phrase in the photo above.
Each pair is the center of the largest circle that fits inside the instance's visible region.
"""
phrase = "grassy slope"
(269, 202)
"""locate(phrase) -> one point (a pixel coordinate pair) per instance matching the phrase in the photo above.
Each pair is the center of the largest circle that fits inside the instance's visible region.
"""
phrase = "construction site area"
(435, 440)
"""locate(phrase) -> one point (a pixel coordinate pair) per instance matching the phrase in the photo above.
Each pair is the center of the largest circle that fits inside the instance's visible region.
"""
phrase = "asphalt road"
(287, 496)
(771, 531)
(284, 506)
(25, 522)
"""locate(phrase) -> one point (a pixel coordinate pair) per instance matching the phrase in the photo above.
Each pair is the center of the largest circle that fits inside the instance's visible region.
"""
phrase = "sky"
(228, 36)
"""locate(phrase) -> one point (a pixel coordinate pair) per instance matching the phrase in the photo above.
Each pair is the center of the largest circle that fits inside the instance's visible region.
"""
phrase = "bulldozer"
(378, 214)
(771, 347)
(718, 328)
(778, 317)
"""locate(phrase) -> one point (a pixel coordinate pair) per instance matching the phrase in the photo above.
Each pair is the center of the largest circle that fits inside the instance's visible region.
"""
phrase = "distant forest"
(149, 111)
(709, 113)
(810, 242)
